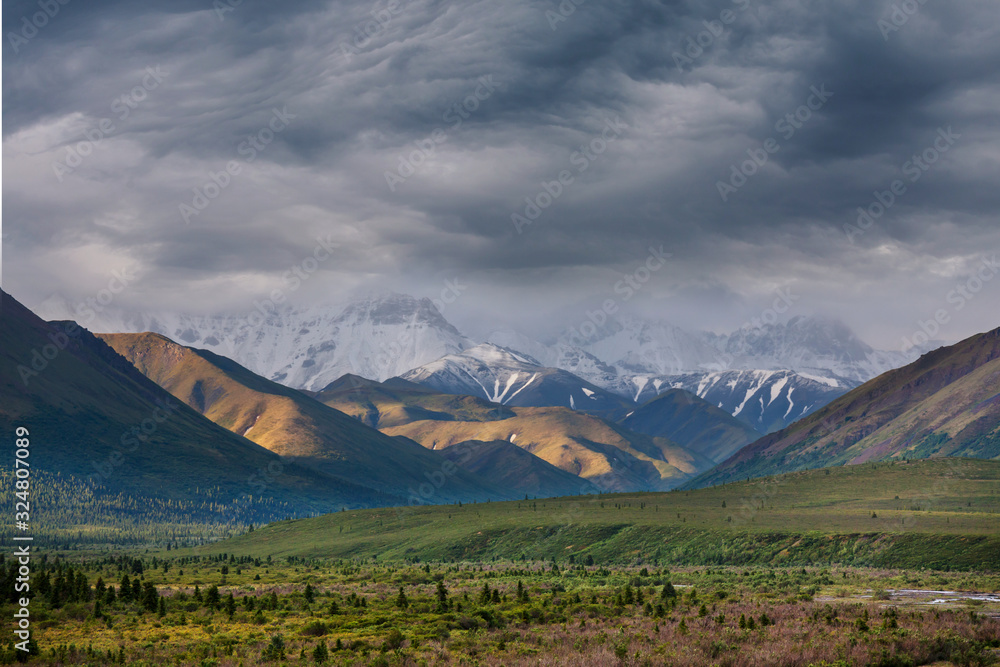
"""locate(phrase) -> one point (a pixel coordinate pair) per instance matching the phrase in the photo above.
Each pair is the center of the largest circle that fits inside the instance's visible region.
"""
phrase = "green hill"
(942, 514)
(947, 403)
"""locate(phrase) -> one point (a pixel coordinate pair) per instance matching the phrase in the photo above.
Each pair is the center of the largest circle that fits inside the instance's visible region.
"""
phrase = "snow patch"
(250, 428)
(776, 389)
(791, 403)
(830, 382)
(761, 377)
(523, 387)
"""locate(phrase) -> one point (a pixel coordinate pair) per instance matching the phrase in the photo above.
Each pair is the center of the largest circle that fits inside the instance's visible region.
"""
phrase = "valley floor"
(227, 611)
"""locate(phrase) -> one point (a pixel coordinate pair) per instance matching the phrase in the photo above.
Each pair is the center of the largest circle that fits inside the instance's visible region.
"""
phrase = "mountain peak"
(492, 353)
(802, 341)
(395, 309)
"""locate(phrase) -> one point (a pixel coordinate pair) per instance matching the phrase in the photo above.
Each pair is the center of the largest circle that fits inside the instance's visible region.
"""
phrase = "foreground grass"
(942, 514)
(228, 611)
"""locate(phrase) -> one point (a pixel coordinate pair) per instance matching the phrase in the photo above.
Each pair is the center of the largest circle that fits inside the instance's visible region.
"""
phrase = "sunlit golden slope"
(607, 455)
(396, 402)
(290, 423)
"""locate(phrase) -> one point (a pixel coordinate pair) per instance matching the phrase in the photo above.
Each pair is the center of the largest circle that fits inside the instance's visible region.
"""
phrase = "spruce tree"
(442, 597)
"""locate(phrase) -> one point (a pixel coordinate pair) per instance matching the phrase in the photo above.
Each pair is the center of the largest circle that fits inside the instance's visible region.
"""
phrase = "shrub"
(315, 629)
(394, 639)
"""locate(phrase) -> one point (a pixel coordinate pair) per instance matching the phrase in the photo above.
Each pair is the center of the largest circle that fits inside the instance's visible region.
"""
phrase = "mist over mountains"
(766, 374)
(537, 427)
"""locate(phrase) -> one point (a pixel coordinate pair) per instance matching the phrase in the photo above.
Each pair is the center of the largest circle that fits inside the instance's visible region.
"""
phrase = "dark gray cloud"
(354, 97)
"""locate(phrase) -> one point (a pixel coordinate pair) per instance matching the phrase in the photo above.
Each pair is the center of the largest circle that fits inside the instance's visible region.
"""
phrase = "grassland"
(942, 514)
(766, 572)
(227, 611)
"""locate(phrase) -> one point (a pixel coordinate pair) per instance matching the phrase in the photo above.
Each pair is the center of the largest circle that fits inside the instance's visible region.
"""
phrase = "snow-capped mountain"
(510, 378)
(377, 338)
(631, 356)
(562, 355)
(767, 375)
(809, 345)
(633, 346)
(766, 400)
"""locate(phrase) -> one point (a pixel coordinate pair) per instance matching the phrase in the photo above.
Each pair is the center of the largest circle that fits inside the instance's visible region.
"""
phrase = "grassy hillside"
(942, 514)
(691, 422)
(963, 419)
(945, 403)
(396, 402)
(92, 415)
(292, 424)
(607, 455)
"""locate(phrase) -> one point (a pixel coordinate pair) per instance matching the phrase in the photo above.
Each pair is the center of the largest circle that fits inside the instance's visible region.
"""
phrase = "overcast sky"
(339, 122)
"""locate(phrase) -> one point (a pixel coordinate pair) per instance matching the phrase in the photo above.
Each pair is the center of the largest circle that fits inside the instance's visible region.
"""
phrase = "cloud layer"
(427, 139)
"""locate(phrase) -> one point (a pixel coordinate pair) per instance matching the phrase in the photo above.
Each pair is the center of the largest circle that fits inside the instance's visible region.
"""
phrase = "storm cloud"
(533, 150)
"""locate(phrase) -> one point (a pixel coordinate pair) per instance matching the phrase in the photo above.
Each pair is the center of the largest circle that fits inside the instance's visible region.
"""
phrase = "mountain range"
(509, 378)
(304, 348)
(947, 403)
(92, 415)
(657, 446)
(289, 423)
(696, 424)
(633, 359)
(140, 413)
